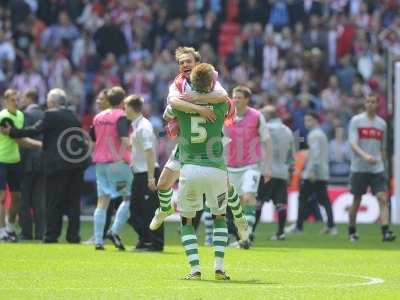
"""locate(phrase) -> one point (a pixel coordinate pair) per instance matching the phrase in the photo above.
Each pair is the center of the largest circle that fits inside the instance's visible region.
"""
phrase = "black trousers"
(307, 189)
(33, 197)
(232, 230)
(63, 192)
(112, 208)
(143, 205)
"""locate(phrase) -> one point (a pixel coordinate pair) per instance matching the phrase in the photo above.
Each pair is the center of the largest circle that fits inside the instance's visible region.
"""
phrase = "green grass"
(308, 266)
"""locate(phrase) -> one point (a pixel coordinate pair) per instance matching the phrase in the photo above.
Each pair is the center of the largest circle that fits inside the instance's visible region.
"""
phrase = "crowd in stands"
(298, 55)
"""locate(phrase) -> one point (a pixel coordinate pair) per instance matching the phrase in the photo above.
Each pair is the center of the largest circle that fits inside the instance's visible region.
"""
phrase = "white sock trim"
(188, 237)
(191, 246)
(220, 238)
(193, 257)
(223, 230)
(220, 248)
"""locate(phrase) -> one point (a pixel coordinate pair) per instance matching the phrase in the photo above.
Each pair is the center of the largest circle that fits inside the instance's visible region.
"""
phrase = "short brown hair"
(187, 50)
(246, 91)
(372, 94)
(201, 77)
(9, 93)
(313, 114)
(115, 95)
(33, 95)
(135, 102)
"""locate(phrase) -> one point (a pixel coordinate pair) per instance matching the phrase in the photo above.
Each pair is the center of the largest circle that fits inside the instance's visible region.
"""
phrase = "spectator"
(82, 49)
(64, 30)
(19, 12)
(29, 79)
(110, 39)
(279, 16)
(315, 37)
(285, 40)
(332, 42)
(7, 57)
(211, 28)
(24, 38)
(339, 155)
(192, 36)
(346, 73)
(301, 11)
(270, 55)
(253, 46)
(330, 96)
(254, 12)
(139, 78)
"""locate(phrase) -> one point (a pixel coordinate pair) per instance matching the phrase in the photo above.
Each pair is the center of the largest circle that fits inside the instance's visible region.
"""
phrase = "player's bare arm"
(212, 97)
(125, 142)
(188, 107)
(29, 143)
(268, 148)
(266, 144)
(151, 164)
(366, 156)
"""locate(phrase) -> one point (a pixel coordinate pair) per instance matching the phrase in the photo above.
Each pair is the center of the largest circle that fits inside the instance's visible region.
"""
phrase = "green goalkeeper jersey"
(200, 141)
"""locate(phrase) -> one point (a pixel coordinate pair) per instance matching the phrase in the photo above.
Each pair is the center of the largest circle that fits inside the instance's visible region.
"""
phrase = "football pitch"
(307, 266)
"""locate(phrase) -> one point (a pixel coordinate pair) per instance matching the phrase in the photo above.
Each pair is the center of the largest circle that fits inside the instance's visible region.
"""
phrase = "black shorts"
(275, 190)
(359, 183)
(10, 174)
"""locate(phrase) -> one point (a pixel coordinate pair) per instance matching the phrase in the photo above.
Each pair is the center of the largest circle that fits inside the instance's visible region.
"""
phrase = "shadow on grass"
(243, 282)
(154, 252)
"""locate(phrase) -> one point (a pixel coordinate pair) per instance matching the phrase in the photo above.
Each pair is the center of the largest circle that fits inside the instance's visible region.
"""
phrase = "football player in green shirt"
(203, 175)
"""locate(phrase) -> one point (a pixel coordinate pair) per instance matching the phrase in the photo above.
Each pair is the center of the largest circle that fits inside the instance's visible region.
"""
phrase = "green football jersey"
(9, 149)
(200, 141)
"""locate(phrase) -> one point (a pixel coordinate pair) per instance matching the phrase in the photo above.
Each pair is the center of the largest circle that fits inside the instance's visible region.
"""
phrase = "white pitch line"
(369, 281)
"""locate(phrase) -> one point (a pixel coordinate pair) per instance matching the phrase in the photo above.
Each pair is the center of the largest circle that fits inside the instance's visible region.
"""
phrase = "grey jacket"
(283, 149)
(318, 155)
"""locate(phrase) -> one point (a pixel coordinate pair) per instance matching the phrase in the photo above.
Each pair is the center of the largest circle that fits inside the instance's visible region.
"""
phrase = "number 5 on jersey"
(199, 131)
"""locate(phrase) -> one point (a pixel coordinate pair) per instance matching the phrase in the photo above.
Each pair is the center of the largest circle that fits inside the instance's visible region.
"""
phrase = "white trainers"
(330, 230)
(90, 241)
(243, 228)
(278, 237)
(234, 244)
(293, 229)
(159, 217)
(353, 237)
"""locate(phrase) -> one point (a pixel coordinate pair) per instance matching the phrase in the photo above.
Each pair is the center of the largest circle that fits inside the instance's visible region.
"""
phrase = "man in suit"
(300, 11)
(65, 156)
(32, 182)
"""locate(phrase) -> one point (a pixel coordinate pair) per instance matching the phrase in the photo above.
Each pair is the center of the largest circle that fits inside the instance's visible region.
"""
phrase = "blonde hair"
(187, 50)
(202, 77)
(115, 95)
(10, 93)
